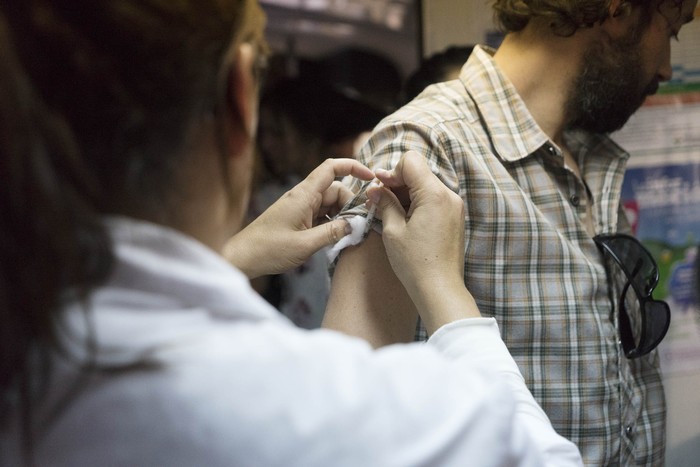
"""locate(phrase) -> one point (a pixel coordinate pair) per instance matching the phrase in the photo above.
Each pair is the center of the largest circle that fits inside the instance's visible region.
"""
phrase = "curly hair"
(564, 17)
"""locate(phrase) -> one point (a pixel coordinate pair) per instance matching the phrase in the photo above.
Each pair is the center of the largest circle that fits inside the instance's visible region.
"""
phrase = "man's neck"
(543, 70)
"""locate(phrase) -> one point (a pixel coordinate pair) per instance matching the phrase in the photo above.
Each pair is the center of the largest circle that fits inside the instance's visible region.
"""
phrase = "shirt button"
(628, 430)
(575, 200)
(551, 150)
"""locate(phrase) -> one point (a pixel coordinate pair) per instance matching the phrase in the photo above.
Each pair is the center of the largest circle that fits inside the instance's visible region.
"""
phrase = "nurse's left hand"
(295, 227)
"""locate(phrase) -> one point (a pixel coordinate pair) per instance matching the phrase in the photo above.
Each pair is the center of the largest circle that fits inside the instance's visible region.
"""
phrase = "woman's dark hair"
(95, 97)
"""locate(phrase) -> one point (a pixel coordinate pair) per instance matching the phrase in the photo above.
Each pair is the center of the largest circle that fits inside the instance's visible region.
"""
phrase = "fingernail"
(348, 228)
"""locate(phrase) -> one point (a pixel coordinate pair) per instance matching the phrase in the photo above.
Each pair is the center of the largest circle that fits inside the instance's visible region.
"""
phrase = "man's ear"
(243, 89)
(620, 8)
(619, 19)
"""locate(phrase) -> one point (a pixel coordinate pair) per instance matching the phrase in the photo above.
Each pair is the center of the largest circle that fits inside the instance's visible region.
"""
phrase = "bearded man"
(522, 136)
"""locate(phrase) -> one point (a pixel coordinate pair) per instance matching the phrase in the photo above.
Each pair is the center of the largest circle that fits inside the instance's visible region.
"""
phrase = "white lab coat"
(226, 380)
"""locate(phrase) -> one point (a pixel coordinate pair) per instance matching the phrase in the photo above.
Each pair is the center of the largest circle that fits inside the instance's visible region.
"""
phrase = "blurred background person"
(326, 110)
(444, 65)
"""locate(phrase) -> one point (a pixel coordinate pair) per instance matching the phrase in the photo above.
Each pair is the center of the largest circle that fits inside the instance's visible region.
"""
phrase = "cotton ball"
(357, 224)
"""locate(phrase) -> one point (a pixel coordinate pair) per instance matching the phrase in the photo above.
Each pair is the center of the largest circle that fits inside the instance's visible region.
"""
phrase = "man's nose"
(665, 72)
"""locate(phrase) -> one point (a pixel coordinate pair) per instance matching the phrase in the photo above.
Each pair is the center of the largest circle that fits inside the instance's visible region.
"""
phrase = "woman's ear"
(243, 89)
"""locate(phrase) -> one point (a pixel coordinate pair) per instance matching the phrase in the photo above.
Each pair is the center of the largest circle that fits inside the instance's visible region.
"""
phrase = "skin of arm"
(367, 300)
(376, 283)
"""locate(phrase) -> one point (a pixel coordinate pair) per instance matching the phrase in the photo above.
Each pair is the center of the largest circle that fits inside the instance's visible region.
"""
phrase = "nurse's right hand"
(423, 233)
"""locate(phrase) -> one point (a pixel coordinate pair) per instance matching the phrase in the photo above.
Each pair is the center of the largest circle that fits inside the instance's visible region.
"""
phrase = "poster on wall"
(661, 195)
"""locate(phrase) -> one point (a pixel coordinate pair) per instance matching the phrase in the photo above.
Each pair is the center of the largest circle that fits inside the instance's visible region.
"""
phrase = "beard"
(608, 90)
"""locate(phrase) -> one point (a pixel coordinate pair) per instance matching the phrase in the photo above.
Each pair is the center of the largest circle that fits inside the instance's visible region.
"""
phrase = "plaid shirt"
(529, 260)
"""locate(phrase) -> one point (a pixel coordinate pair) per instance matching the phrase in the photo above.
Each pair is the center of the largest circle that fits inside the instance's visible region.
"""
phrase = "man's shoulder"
(445, 102)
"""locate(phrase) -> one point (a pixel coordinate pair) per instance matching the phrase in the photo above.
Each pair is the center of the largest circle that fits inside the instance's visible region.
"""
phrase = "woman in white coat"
(127, 339)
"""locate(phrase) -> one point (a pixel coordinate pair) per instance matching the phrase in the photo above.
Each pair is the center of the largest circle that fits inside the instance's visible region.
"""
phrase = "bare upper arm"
(366, 298)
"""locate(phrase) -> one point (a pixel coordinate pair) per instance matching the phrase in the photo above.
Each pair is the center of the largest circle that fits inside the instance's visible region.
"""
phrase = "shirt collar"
(161, 261)
(165, 289)
(513, 131)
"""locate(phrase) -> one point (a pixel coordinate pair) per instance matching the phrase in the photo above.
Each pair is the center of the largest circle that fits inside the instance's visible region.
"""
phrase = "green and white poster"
(661, 195)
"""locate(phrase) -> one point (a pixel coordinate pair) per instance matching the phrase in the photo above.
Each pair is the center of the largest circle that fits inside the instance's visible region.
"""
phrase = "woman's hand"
(288, 232)
(425, 245)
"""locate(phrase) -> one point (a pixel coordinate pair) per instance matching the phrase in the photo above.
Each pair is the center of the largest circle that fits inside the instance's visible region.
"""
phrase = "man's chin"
(601, 125)
(652, 89)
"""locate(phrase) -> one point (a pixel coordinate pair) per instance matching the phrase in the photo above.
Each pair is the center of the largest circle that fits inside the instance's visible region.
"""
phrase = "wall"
(310, 33)
(447, 22)
(683, 441)
(454, 22)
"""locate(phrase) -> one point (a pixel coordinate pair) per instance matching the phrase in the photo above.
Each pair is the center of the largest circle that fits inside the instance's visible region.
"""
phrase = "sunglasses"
(641, 336)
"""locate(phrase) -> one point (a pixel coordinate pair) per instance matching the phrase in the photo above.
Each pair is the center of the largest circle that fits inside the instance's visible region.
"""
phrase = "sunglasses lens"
(657, 317)
(641, 334)
(637, 262)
